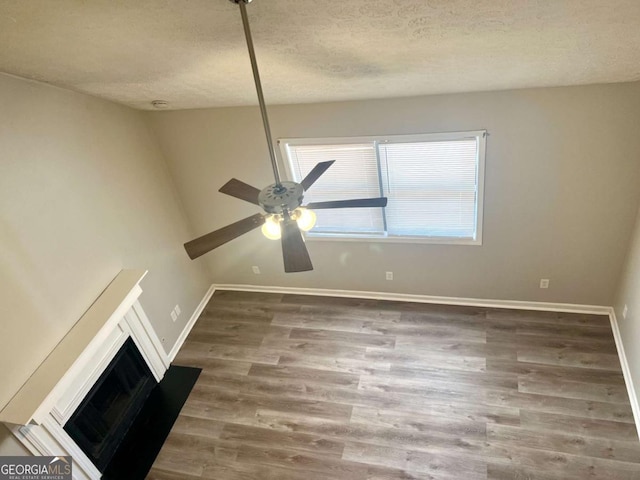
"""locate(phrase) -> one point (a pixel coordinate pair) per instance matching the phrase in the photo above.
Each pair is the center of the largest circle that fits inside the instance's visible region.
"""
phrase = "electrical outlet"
(389, 276)
(177, 310)
(174, 315)
(256, 269)
(544, 283)
(624, 312)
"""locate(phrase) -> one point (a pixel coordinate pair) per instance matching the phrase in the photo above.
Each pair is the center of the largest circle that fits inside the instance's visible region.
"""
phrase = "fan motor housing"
(276, 198)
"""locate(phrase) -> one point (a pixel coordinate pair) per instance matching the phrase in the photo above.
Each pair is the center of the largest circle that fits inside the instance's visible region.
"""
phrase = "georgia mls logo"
(35, 468)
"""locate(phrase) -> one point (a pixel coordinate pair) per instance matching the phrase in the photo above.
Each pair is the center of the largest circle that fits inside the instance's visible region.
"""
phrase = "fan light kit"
(304, 217)
(285, 217)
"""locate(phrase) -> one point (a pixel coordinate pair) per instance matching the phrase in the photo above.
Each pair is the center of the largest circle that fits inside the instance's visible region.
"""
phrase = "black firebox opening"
(105, 415)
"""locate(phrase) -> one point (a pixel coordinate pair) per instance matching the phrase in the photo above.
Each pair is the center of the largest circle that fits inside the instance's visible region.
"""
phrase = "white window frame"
(479, 135)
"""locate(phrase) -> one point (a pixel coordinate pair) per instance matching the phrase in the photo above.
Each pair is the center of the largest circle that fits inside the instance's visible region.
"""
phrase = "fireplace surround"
(43, 415)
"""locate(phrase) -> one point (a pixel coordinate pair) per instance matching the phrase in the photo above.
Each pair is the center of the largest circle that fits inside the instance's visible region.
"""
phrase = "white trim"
(384, 238)
(70, 399)
(482, 155)
(151, 334)
(141, 337)
(626, 371)
(21, 432)
(69, 447)
(50, 439)
(402, 138)
(192, 321)
(406, 297)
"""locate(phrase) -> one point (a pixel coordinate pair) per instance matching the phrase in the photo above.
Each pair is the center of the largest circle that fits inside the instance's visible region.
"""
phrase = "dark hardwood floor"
(316, 388)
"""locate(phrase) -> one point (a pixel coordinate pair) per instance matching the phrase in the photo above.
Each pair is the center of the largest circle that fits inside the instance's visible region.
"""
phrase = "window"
(433, 183)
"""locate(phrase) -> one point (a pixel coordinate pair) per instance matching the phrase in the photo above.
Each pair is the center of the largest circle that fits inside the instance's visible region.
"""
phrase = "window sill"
(324, 237)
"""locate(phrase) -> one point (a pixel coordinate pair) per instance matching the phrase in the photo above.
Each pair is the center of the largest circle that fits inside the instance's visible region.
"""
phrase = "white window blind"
(433, 183)
(353, 175)
(431, 187)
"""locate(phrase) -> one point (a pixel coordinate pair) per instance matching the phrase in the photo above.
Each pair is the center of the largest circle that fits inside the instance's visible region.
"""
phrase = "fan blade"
(241, 190)
(294, 251)
(356, 203)
(315, 174)
(208, 242)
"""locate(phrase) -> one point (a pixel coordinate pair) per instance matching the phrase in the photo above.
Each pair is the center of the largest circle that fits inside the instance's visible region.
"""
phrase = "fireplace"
(71, 404)
(103, 418)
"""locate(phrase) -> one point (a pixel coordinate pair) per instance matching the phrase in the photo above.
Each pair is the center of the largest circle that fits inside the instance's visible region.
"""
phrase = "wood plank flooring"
(317, 388)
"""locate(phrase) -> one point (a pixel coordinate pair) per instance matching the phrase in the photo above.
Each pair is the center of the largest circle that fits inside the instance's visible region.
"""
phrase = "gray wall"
(629, 295)
(561, 191)
(84, 193)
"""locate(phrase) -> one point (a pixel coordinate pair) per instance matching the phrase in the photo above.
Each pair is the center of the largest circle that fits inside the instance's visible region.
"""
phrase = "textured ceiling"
(192, 52)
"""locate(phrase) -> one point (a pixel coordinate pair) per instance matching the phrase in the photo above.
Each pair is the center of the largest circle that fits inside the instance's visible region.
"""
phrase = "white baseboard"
(405, 297)
(626, 371)
(192, 321)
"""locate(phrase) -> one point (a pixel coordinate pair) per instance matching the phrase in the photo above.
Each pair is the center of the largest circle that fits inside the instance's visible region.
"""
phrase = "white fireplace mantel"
(38, 412)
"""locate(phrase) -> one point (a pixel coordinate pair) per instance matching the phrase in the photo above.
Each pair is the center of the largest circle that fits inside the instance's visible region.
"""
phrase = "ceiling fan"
(285, 215)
